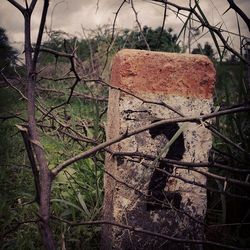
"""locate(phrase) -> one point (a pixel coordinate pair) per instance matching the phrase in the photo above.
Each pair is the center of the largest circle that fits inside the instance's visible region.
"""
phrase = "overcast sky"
(70, 15)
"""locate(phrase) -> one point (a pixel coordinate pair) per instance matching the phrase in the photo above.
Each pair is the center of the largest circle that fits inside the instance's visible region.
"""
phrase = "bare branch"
(33, 4)
(12, 86)
(128, 134)
(17, 5)
(195, 183)
(163, 104)
(56, 53)
(75, 94)
(41, 29)
(139, 24)
(144, 231)
(113, 34)
(190, 165)
(163, 22)
(17, 225)
(240, 12)
(24, 132)
(204, 23)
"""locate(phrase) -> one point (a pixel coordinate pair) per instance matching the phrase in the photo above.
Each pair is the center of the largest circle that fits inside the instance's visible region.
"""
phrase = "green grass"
(77, 192)
(230, 90)
(16, 183)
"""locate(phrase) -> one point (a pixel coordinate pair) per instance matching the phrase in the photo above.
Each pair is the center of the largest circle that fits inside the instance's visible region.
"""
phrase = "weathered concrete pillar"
(169, 205)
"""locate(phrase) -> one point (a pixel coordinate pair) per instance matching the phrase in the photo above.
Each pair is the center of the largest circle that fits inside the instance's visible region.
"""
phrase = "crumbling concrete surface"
(137, 193)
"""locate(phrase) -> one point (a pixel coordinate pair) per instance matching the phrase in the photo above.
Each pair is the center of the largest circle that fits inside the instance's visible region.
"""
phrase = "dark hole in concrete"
(120, 160)
(158, 197)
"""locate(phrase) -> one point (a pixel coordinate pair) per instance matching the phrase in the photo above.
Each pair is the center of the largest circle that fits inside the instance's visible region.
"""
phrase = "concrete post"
(170, 206)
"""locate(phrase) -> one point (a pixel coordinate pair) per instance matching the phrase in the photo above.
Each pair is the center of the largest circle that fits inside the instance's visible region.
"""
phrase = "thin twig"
(196, 119)
(189, 165)
(139, 24)
(240, 12)
(144, 231)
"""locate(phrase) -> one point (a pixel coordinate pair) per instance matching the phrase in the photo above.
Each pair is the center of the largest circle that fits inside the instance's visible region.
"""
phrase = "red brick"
(160, 72)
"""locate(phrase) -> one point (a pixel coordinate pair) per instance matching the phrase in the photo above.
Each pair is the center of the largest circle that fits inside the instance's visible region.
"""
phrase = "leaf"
(83, 204)
(168, 144)
(67, 203)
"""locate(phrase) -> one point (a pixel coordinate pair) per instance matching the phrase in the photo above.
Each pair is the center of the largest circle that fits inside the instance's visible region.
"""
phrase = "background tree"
(157, 39)
(206, 50)
(8, 54)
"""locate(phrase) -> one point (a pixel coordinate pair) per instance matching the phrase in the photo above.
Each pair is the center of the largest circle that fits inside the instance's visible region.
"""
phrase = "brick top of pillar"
(139, 71)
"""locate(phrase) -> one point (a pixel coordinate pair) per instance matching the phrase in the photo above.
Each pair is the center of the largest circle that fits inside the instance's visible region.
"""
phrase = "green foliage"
(16, 181)
(79, 192)
(231, 89)
(207, 50)
(165, 41)
(157, 39)
(63, 42)
(8, 55)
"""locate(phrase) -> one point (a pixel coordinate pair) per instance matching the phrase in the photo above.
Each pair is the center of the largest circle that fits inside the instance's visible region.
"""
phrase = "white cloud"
(70, 15)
